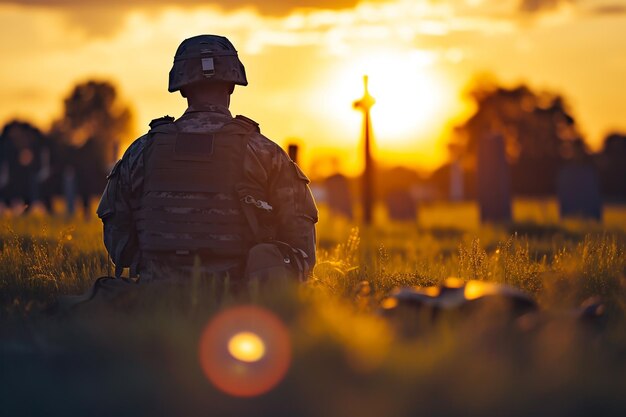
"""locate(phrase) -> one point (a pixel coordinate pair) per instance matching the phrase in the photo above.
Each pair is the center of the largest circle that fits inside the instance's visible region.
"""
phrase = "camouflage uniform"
(208, 192)
(285, 214)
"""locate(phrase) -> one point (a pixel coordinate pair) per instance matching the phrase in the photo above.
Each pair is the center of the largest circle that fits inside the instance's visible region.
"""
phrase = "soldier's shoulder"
(136, 147)
(163, 124)
(135, 150)
(139, 144)
(254, 129)
(257, 140)
(161, 121)
(246, 121)
(261, 144)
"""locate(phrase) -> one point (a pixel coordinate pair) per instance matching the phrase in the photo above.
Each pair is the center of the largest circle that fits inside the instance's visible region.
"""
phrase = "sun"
(409, 95)
(406, 97)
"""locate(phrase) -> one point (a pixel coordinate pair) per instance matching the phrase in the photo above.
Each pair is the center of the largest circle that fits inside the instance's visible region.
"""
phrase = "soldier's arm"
(116, 207)
(294, 207)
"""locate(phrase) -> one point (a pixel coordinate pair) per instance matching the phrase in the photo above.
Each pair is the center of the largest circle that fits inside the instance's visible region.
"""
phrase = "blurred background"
(475, 100)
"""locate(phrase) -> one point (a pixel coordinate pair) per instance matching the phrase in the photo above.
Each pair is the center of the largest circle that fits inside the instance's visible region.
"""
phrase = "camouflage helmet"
(206, 58)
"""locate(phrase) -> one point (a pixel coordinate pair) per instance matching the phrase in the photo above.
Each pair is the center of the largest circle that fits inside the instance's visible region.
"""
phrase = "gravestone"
(401, 206)
(338, 195)
(578, 190)
(456, 181)
(69, 190)
(494, 182)
(292, 150)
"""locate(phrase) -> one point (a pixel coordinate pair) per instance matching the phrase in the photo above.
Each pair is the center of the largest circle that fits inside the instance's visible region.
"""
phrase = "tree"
(539, 132)
(93, 122)
(93, 111)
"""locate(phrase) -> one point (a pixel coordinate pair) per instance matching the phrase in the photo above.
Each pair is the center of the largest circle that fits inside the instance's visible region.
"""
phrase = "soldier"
(208, 191)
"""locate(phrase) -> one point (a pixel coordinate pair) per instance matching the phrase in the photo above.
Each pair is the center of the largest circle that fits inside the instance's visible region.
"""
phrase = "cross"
(367, 101)
(365, 104)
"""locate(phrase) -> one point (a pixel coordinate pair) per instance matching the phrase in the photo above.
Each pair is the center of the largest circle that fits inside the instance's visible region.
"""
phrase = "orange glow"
(477, 289)
(389, 303)
(408, 106)
(246, 347)
(454, 282)
(431, 291)
(305, 67)
(413, 106)
(245, 351)
(408, 96)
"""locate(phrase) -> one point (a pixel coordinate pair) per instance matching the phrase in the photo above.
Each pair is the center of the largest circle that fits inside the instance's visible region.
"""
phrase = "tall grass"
(43, 257)
(347, 360)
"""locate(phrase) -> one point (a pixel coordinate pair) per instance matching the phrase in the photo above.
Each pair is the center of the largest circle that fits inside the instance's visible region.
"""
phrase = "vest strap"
(190, 228)
(157, 215)
(200, 203)
(215, 246)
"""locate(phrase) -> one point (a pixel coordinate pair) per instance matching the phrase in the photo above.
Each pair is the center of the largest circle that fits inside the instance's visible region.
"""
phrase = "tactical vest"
(190, 204)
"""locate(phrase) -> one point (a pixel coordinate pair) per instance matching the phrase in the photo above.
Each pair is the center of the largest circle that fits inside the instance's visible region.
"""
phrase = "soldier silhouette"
(208, 191)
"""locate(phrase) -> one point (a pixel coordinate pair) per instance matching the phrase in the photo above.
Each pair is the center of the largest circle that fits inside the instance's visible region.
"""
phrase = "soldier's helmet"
(206, 58)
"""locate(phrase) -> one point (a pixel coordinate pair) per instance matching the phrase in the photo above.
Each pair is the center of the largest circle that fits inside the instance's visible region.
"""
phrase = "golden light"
(410, 96)
(246, 347)
(245, 351)
(478, 289)
(389, 303)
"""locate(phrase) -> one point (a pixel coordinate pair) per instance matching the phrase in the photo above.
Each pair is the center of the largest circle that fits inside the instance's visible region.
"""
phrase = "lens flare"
(246, 347)
(245, 351)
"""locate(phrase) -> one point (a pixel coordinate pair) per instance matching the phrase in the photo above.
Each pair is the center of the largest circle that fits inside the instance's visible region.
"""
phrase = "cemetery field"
(139, 356)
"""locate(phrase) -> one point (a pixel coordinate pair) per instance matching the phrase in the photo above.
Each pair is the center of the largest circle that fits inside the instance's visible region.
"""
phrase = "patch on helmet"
(208, 67)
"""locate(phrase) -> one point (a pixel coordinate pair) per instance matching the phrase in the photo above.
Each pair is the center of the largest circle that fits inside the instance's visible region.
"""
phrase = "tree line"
(73, 157)
(541, 137)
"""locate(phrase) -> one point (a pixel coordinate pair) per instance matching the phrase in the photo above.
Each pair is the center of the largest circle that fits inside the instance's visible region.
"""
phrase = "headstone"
(456, 181)
(494, 183)
(578, 190)
(69, 190)
(338, 195)
(292, 150)
(401, 206)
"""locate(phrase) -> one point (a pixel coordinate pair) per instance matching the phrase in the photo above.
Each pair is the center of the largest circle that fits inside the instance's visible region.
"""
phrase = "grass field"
(346, 359)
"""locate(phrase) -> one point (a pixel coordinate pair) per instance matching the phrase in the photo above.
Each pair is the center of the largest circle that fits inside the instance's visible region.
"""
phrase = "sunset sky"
(305, 60)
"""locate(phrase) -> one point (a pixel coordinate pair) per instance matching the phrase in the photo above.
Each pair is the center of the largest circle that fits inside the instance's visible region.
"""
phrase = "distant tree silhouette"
(94, 112)
(93, 122)
(539, 132)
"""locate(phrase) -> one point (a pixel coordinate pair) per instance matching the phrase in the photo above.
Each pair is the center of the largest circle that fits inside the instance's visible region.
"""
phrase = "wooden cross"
(364, 104)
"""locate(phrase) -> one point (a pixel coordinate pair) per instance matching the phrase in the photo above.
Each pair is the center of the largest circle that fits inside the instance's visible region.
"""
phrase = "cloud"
(274, 7)
(586, 7)
(532, 6)
(591, 6)
(609, 9)
(97, 18)
(389, 23)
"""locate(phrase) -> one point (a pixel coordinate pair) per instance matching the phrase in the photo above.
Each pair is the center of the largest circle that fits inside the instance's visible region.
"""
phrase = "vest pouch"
(267, 263)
